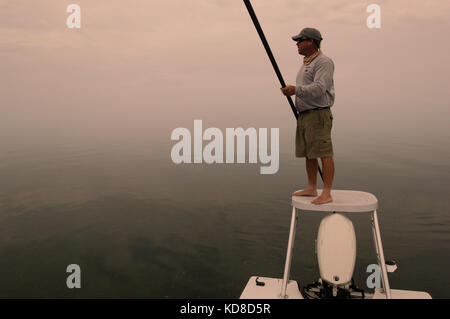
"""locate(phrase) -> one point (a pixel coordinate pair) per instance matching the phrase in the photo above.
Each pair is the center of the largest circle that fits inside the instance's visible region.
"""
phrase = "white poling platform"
(344, 201)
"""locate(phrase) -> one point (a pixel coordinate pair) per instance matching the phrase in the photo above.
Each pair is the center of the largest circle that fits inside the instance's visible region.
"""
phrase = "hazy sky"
(138, 69)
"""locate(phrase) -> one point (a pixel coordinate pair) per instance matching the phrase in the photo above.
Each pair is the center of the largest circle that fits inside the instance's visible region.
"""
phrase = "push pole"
(271, 58)
(269, 52)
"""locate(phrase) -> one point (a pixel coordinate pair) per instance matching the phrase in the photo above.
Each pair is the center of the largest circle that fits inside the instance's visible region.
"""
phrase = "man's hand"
(288, 90)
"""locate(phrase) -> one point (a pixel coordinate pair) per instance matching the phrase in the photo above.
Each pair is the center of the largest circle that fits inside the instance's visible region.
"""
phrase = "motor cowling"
(336, 249)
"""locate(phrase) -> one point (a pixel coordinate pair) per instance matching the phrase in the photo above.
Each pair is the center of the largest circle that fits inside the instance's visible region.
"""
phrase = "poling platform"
(344, 201)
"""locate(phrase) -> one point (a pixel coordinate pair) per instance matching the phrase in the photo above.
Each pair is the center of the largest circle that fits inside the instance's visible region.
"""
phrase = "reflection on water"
(141, 226)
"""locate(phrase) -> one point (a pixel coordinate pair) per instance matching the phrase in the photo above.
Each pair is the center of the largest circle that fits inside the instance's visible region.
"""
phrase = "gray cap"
(309, 33)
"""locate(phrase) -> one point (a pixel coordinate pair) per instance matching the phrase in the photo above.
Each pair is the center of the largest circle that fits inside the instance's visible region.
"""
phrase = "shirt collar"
(308, 60)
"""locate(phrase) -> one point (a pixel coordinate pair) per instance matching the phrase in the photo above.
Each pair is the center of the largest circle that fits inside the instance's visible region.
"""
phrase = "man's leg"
(328, 175)
(311, 169)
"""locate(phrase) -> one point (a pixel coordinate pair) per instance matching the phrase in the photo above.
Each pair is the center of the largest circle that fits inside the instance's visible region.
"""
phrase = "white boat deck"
(270, 290)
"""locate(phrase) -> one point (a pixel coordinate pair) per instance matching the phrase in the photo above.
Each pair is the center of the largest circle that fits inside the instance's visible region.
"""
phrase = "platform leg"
(380, 254)
(287, 267)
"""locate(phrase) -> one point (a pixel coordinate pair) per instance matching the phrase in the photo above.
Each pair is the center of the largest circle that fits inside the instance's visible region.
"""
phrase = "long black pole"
(271, 58)
(269, 52)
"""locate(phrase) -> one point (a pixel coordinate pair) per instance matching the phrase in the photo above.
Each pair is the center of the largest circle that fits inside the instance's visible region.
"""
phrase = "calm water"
(140, 226)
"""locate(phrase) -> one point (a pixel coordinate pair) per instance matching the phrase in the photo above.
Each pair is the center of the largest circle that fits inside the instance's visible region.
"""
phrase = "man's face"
(304, 45)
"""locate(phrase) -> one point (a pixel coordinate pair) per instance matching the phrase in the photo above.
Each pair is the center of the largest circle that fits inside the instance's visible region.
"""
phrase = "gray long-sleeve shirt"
(315, 85)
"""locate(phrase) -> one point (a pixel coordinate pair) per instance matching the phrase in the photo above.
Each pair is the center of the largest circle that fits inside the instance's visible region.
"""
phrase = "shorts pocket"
(325, 147)
(328, 119)
(325, 118)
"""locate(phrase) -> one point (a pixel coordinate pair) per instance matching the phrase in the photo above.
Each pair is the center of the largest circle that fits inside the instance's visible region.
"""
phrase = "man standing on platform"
(314, 96)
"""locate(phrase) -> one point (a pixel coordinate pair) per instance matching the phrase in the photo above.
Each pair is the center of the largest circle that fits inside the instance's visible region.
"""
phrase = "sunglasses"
(301, 40)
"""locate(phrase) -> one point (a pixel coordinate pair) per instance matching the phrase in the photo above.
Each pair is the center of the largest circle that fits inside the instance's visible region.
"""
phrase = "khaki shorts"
(313, 135)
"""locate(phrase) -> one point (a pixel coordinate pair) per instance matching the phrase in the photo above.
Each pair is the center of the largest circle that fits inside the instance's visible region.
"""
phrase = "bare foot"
(306, 192)
(322, 199)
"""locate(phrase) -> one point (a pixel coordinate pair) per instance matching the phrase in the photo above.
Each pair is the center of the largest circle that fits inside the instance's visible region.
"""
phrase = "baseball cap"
(309, 33)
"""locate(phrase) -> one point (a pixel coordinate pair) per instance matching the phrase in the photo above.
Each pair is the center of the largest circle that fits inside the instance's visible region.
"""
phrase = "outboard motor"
(336, 255)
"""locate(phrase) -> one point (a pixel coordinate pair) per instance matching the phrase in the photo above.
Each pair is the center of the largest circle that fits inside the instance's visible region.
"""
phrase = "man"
(314, 96)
